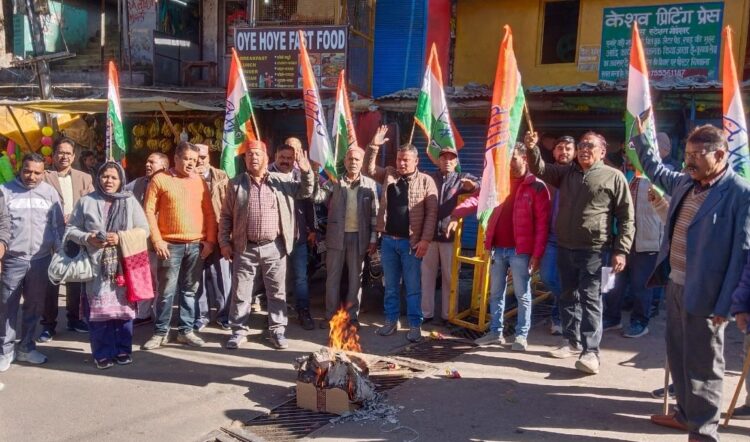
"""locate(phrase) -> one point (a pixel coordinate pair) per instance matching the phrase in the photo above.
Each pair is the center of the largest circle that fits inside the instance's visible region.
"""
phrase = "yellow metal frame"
(480, 285)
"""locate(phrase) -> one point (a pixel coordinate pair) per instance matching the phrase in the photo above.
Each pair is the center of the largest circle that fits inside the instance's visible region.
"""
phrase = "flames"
(343, 335)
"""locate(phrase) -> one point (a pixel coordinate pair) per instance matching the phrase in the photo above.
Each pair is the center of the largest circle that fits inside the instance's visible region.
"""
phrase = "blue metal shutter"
(400, 38)
(472, 161)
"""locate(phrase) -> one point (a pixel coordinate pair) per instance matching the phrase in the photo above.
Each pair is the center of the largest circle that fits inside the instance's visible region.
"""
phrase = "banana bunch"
(152, 144)
(140, 143)
(166, 144)
(153, 129)
(139, 131)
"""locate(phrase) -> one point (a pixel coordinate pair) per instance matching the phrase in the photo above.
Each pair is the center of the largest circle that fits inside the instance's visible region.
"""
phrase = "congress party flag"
(239, 121)
(735, 124)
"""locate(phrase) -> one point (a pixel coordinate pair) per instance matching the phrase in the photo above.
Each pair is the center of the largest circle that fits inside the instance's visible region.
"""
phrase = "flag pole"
(411, 135)
(528, 117)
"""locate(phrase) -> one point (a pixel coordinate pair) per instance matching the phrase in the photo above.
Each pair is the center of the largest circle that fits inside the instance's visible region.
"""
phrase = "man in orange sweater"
(183, 231)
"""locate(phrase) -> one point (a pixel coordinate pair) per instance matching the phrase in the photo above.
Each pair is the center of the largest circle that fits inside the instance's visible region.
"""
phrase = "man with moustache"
(304, 217)
(36, 229)
(592, 196)
(350, 233)
(183, 233)
(563, 153)
(71, 185)
(216, 278)
(707, 238)
(156, 162)
(256, 232)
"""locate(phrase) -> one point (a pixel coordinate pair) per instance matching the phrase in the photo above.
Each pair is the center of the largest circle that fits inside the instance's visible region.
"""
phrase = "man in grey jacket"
(256, 233)
(350, 233)
(36, 226)
(592, 196)
(707, 239)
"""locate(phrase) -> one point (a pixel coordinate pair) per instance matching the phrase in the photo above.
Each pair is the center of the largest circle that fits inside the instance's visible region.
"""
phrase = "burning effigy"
(335, 378)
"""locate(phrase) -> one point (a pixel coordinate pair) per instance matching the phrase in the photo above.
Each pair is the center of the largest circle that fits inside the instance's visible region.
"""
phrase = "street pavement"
(178, 393)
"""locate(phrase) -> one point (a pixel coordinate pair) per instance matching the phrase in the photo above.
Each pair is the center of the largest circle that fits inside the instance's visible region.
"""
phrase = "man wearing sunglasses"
(592, 196)
(707, 238)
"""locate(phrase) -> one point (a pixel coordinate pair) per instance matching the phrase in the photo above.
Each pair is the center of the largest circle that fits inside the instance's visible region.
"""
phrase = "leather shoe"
(668, 420)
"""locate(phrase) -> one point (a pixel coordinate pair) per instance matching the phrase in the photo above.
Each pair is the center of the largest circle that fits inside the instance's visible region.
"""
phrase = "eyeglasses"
(586, 145)
(697, 154)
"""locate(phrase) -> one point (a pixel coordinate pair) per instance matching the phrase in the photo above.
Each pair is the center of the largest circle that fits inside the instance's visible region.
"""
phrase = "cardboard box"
(329, 400)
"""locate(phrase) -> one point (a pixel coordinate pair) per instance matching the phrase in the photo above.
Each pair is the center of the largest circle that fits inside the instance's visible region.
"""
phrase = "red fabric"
(531, 213)
(138, 277)
(503, 233)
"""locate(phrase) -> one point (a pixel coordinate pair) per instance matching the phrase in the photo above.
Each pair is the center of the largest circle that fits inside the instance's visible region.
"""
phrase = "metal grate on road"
(436, 351)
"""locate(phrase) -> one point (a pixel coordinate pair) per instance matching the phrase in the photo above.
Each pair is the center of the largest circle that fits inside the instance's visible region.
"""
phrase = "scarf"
(117, 219)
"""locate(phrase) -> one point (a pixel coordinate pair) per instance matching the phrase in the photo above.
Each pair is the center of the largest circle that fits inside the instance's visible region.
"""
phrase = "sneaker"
(78, 326)
(588, 363)
(155, 342)
(32, 357)
(414, 334)
(305, 320)
(103, 364)
(45, 336)
(565, 350)
(235, 341)
(491, 338)
(190, 339)
(225, 325)
(555, 329)
(388, 328)
(124, 359)
(6, 360)
(742, 413)
(426, 321)
(611, 325)
(636, 331)
(200, 324)
(278, 340)
(659, 392)
(519, 344)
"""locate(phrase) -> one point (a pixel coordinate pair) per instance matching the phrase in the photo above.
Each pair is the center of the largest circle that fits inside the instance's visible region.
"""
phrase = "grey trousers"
(266, 263)
(19, 278)
(439, 257)
(695, 350)
(354, 259)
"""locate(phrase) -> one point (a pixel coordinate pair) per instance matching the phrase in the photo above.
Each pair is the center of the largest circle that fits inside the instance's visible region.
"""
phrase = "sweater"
(179, 209)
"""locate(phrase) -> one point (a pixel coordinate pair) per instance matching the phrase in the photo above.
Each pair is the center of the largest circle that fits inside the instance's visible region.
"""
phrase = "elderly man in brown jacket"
(71, 185)
(406, 219)
(216, 282)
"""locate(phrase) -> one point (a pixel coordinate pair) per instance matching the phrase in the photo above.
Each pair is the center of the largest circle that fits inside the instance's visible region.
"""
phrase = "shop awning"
(99, 105)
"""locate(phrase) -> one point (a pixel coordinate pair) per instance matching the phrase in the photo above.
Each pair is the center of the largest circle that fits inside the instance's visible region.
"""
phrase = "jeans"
(298, 261)
(214, 288)
(178, 275)
(399, 261)
(503, 259)
(21, 277)
(551, 278)
(636, 273)
(581, 299)
(111, 338)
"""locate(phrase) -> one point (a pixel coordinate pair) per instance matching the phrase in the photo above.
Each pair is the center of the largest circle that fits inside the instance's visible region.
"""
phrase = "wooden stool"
(189, 66)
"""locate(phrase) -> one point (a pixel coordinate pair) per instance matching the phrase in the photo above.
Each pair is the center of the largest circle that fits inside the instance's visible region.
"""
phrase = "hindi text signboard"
(269, 56)
(681, 40)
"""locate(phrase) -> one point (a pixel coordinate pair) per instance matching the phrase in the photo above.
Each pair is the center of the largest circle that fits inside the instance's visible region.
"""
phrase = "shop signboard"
(680, 40)
(269, 56)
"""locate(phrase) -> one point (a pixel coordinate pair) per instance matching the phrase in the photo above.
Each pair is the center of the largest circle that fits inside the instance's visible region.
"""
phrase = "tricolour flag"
(505, 119)
(115, 131)
(638, 103)
(432, 111)
(317, 130)
(343, 126)
(735, 125)
(239, 124)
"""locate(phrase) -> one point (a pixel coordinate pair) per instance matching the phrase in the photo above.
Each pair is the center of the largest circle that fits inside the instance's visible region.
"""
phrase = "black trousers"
(72, 304)
(581, 299)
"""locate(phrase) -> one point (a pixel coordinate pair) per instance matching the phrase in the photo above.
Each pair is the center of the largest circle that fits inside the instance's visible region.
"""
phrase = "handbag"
(71, 263)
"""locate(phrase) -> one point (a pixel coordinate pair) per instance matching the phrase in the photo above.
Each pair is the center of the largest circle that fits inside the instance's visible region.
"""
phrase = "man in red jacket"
(516, 235)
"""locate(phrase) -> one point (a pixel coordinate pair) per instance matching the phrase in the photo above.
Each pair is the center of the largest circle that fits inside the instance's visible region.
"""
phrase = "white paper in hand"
(608, 279)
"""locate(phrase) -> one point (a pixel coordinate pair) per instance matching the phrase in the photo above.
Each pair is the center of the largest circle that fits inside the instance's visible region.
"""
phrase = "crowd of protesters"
(215, 243)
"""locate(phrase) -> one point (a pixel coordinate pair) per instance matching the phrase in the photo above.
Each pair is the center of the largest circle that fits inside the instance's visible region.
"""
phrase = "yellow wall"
(479, 31)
